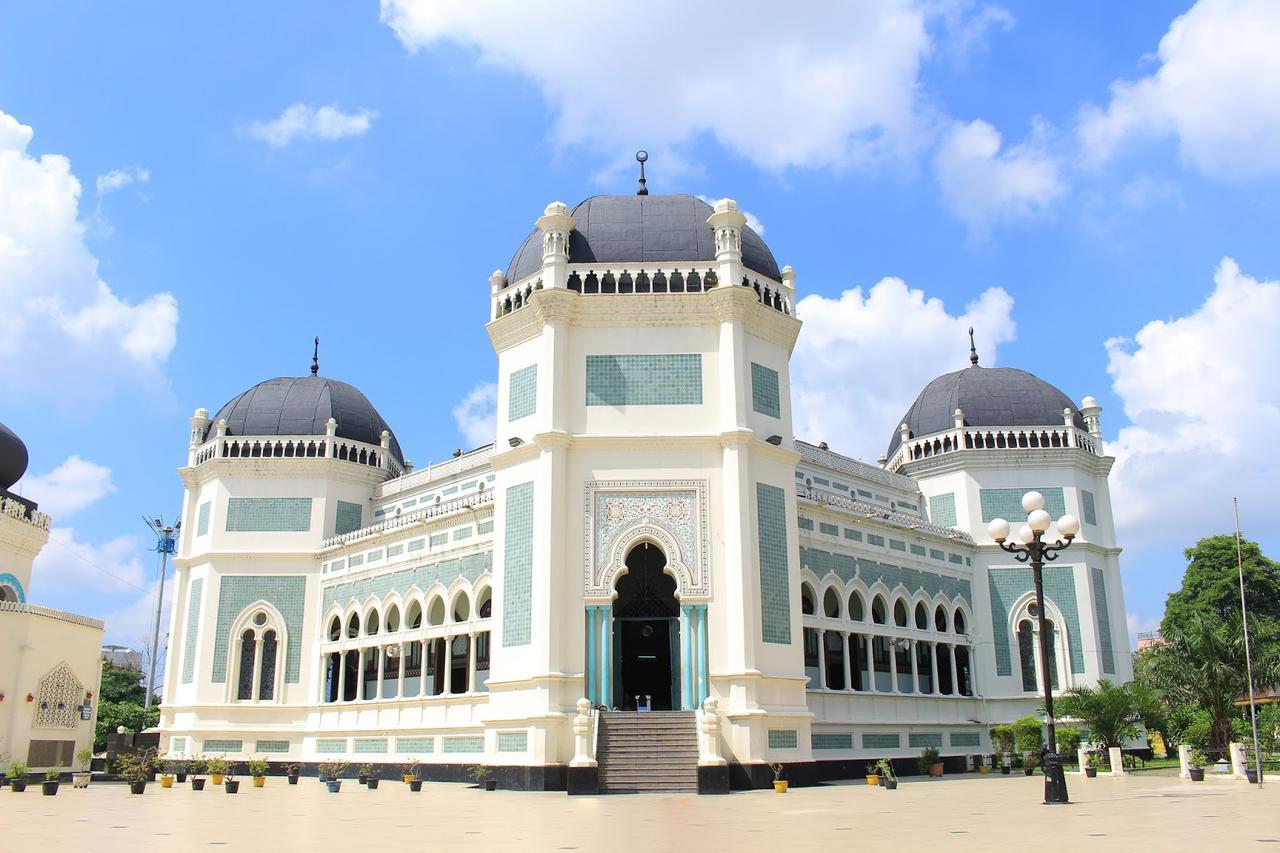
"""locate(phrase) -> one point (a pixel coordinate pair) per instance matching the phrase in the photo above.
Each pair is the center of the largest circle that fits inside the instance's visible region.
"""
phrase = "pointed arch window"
(257, 658)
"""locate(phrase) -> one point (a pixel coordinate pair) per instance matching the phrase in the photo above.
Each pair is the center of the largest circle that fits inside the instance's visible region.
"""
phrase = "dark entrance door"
(646, 632)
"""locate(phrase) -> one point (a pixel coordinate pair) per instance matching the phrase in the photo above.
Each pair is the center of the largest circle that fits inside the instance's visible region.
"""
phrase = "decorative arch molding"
(11, 582)
(672, 514)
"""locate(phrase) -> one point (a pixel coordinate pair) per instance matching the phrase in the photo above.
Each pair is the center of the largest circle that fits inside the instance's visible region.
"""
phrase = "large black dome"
(642, 229)
(13, 458)
(989, 397)
(302, 405)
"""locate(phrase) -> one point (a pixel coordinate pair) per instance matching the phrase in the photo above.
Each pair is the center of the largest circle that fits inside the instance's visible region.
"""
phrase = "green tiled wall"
(517, 567)
(202, 518)
(331, 746)
(513, 741)
(1090, 509)
(189, 631)
(415, 745)
(918, 740)
(847, 568)
(783, 739)
(832, 741)
(965, 739)
(1007, 504)
(881, 741)
(210, 747)
(644, 380)
(268, 515)
(272, 746)
(446, 571)
(942, 509)
(369, 745)
(764, 391)
(468, 743)
(348, 517)
(522, 393)
(1104, 622)
(1007, 585)
(775, 587)
(284, 593)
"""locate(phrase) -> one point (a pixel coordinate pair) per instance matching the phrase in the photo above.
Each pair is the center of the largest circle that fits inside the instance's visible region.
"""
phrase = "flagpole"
(1248, 660)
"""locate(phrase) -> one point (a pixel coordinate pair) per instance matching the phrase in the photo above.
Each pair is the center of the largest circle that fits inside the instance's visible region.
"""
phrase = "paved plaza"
(960, 813)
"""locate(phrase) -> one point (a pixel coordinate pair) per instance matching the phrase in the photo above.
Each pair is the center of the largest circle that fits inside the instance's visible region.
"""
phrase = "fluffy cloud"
(763, 78)
(65, 329)
(118, 179)
(477, 415)
(307, 123)
(1217, 91)
(1202, 403)
(864, 357)
(70, 487)
(68, 565)
(983, 185)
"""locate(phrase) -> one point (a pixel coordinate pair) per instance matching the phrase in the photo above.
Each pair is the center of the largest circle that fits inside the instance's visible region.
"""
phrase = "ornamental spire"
(641, 157)
(315, 359)
(973, 351)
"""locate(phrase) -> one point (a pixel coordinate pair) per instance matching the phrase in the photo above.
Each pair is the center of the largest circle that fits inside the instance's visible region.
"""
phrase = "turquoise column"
(686, 657)
(591, 679)
(606, 655)
(701, 613)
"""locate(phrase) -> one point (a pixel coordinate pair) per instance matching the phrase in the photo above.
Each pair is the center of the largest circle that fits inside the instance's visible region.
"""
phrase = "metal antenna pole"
(1248, 658)
(164, 545)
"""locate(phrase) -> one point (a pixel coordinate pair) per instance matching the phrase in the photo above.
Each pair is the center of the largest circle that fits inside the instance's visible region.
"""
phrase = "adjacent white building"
(644, 532)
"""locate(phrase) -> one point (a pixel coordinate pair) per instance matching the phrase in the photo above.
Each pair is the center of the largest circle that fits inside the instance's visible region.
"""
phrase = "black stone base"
(754, 777)
(583, 780)
(549, 778)
(713, 780)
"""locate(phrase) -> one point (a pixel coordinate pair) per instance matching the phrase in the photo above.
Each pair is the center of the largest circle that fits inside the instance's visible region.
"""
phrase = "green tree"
(120, 703)
(1211, 585)
(121, 684)
(1111, 712)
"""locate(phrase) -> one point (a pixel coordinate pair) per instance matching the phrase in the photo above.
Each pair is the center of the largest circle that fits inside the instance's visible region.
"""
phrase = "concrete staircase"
(652, 751)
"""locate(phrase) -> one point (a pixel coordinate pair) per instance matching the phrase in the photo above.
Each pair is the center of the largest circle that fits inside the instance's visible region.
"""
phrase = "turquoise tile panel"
(1089, 507)
(1007, 504)
(517, 569)
(331, 746)
(348, 517)
(216, 746)
(513, 741)
(775, 585)
(522, 393)
(832, 741)
(190, 631)
(369, 746)
(1104, 622)
(271, 746)
(1007, 585)
(202, 518)
(268, 515)
(965, 739)
(286, 594)
(881, 741)
(765, 398)
(415, 745)
(644, 380)
(942, 509)
(783, 739)
(454, 745)
(917, 740)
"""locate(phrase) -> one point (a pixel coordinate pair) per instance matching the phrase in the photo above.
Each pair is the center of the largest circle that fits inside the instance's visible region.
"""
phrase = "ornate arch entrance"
(646, 628)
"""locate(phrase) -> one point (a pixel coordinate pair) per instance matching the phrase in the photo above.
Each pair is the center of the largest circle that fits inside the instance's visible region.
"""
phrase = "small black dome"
(13, 458)
(302, 405)
(642, 229)
(989, 397)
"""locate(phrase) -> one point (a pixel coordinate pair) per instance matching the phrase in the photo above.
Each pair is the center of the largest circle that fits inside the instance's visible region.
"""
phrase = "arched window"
(248, 646)
(371, 623)
(267, 672)
(922, 617)
(459, 663)
(900, 614)
(485, 610)
(806, 600)
(855, 607)
(353, 626)
(877, 611)
(940, 619)
(393, 619)
(1027, 655)
(435, 614)
(258, 656)
(335, 629)
(413, 616)
(831, 603)
(461, 608)
(958, 621)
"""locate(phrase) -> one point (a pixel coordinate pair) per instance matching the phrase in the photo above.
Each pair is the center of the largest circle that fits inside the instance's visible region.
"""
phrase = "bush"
(1068, 742)
(1027, 736)
(929, 756)
(1001, 739)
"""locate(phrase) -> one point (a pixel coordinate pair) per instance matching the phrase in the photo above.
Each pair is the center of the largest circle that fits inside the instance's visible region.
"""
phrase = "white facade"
(644, 530)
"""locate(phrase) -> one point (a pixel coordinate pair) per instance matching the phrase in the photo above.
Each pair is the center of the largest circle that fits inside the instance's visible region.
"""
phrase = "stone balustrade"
(897, 519)
(467, 502)
(50, 613)
(296, 447)
(15, 507)
(993, 438)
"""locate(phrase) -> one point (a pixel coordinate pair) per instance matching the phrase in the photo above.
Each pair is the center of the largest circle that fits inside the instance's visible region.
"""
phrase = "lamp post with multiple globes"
(1031, 547)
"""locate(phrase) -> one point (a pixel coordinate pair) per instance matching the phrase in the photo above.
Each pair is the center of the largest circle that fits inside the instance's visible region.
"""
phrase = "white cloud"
(864, 357)
(130, 625)
(118, 179)
(983, 185)
(70, 487)
(70, 565)
(967, 30)
(1217, 91)
(800, 84)
(477, 415)
(301, 121)
(67, 334)
(1203, 406)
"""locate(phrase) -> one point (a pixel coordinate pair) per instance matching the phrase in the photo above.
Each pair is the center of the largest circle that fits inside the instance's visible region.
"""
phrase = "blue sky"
(246, 176)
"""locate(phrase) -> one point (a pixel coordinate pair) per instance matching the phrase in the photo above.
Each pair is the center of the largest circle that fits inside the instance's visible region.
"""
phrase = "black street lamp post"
(1032, 548)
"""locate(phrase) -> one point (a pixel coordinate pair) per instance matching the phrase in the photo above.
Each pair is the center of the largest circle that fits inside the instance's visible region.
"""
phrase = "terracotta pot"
(166, 781)
(936, 770)
(259, 781)
(873, 779)
(216, 777)
(780, 786)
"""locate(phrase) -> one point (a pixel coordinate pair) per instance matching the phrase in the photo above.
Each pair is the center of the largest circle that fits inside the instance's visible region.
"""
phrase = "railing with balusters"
(297, 447)
(993, 438)
(449, 507)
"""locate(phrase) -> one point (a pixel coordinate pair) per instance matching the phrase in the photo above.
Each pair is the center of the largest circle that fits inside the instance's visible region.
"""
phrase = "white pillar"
(1082, 756)
(382, 671)
(822, 659)
(871, 664)
(934, 680)
(951, 657)
(1117, 761)
(1184, 761)
(893, 665)
(448, 667)
(915, 667)
(400, 672)
(844, 656)
(471, 662)
(1238, 763)
(342, 677)
(359, 674)
(257, 665)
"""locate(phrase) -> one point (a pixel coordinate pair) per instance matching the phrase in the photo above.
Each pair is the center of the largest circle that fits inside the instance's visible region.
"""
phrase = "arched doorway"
(646, 633)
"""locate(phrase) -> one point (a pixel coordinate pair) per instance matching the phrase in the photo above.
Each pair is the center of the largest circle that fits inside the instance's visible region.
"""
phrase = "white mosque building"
(645, 582)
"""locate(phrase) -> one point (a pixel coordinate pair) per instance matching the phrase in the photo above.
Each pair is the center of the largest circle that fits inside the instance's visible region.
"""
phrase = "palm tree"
(1112, 712)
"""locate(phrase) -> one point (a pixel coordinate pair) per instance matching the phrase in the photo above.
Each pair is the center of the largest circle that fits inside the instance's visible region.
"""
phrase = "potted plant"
(217, 769)
(984, 765)
(332, 772)
(18, 776)
(779, 784)
(80, 779)
(886, 773)
(365, 771)
(482, 774)
(136, 769)
(930, 761)
(409, 770)
(1029, 763)
(371, 777)
(258, 770)
(49, 787)
(180, 769)
(1090, 771)
(229, 780)
(873, 774)
(292, 771)
(1196, 770)
(167, 773)
(196, 767)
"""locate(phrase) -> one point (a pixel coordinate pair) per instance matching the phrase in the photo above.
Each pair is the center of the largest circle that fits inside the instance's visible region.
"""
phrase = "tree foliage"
(121, 684)
(120, 703)
(1211, 585)
(1111, 712)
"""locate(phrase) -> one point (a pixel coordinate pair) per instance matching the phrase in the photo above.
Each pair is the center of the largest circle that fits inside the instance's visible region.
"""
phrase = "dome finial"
(973, 351)
(315, 359)
(641, 157)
